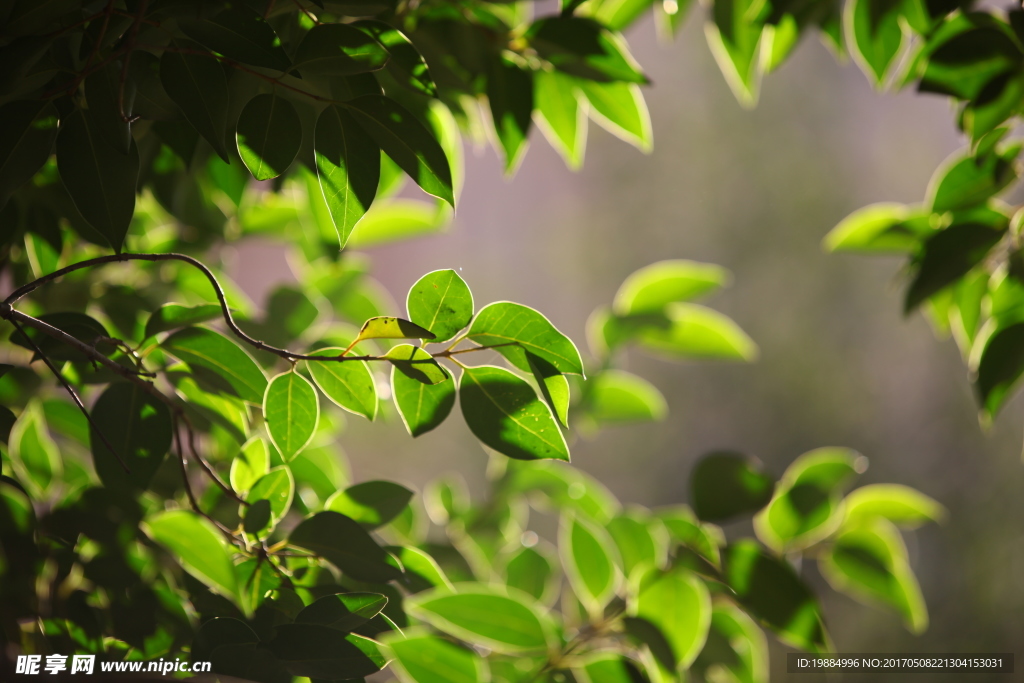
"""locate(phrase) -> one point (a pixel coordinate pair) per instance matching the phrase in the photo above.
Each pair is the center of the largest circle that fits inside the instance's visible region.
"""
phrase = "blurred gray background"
(754, 191)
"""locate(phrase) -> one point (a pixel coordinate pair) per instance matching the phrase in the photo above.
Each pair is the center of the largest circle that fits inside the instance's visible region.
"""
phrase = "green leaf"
(617, 396)
(35, 458)
(100, 179)
(947, 256)
(277, 487)
(965, 181)
(734, 36)
(736, 644)
(342, 542)
(620, 109)
(172, 316)
(560, 116)
(342, 611)
(252, 462)
(219, 362)
(339, 50)
(884, 227)
(240, 34)
(416, 363)
(523, 329)
(422, 406)
(7, 420)
(138, 426)
(901, 505)
(587, 553)
(1000, 367)
(563, 486)
(28, 129)
(874, 34)
(197, 545)
(349, 384)
(322, 652)
(968, 54)
(420, 657)
(583, 47)
(725, 485)
(503, 411)
(440, 302)
(869, 561)
(387, 327)
(683, 527)
(257, 516)
(641, 541)
(371, 503)
(292, 412)
(653, 287)
(806, 506)
(348, 167)
(679, 605)
(218, 632)
(770, 590)
(694, 331)
(510, 95)
(229, 412)
(406, 65)
(607, 667)
(198, 86)
(268, 136)
(506, 621)
(421, 571)
(554, 387)
(533, 571)
(397, 220)
(407, 142)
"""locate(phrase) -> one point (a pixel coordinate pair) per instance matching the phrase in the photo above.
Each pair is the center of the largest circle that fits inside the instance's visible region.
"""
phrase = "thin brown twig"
(129, 49)
(205, 465)
(74, 395)
(188, 487)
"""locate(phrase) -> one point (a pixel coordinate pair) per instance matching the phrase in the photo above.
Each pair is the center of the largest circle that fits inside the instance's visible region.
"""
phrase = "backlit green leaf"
(641, 541)
(342, 542)
(560, 115)
(510, 95)
(268, 136)
(874, 35)
(901, 505)
(321, 652)
(770, 590)
(869, 561)
(172, 316)
(533, 570)
(588, 557)
(653, 287)
(387, 327)
(218, 362)
(694, 331)
(421, 405)
(421, 571)
(407, 142)
(503, 411)
(947, 256)
(339, 50)
(416, 364)
(348, 166)
(617, 396)
(563, 486)
(198, 86)
(371, 503)
(440, 302)
(35, 458)
(964, 181)
(620, 109)
(277, 487)
(349, 384)
(292, 411)
(583, 47)
(406, 65)
(679, 605)
(735, 643)
(342, 611)
(504, 620)
(251, 463)
(397, 220)
(520, 329)
(553, 385)
(884, 227)
(100, 179)
(734, 36)
(724, 485)
(138, 426)
(420, 657)
(198, 546)
(1000, 367)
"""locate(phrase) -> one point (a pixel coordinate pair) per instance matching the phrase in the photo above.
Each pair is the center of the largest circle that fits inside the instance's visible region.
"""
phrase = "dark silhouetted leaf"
(342, 542)
(724, 485)
(198, 86)
(348, 166)
(269, 134)
(138, 426)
